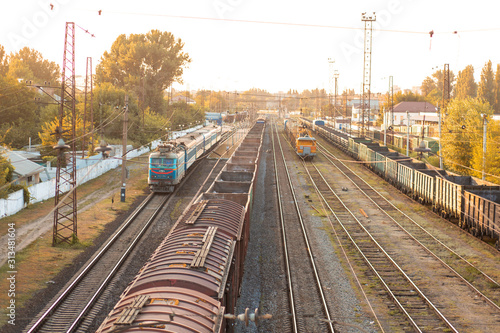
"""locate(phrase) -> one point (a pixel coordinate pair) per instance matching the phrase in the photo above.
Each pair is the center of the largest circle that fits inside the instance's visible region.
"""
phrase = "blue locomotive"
(171, 160)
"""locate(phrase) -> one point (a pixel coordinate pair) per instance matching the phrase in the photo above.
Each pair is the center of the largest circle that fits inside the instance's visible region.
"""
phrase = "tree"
(17, 111)
(182, 115)
(6, 171)
(432, 87)
(28, 64)
(486, 87)
(496, 105)
(4, 65)
(492, 158)
(49, 140)
(462, 134)
(439, 79)
(145, 64)
(203, 99)
(427, 86)
(466, 86)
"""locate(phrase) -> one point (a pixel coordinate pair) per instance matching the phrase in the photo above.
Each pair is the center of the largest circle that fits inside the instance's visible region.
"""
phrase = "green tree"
(18, 112)
(428, 85)
(496, 105)
(109, 101)
(4, 65)
(28, 64)
(432, 87)
(466, 87)
(492, 157)
(145, 64)
(486, 86)
(182, 115)
(6, 170)
(462, 134)
(203, 98)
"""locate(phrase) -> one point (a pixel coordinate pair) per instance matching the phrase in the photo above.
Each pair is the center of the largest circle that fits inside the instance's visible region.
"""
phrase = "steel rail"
(84, 272)
(416, 224)
(408, 279)
(118, 264)
(283, 233)
(488, 300)
(306, 239)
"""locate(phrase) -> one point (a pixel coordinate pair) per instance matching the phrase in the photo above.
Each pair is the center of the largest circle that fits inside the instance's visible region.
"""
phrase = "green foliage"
(466, 87)
(19, 111)
(152, 127)
(486, 87)
(4, 65)
(496, 91)
(182, 115)
(28, 64)
(462, 135)
(6, 172)
(17, 101)
(401, 97)
(145, 64)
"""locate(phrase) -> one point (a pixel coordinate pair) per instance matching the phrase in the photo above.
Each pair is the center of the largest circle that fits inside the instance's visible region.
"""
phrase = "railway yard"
(289, 245)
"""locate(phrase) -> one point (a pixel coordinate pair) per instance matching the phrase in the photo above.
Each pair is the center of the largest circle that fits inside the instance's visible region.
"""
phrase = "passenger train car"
(300, 138)
(193, 278)
(471, 203)
(170, 162)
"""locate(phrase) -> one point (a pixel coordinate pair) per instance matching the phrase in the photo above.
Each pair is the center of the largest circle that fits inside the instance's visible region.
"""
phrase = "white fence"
(43, 191)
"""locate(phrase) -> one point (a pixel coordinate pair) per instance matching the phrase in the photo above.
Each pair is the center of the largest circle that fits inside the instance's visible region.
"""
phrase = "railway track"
(384, 260)
(66, 311)
(421, 314)
(484, 285)
(308, 306)
(77, 305)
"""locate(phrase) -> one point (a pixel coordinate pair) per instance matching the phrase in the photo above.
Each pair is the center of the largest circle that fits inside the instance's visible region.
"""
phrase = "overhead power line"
(307, 25)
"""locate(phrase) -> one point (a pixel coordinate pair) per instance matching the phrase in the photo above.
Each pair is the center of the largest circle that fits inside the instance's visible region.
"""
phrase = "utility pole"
(88, 89)
(124, 149)
(391, 96)
(345, 122)
(336, 76)
(367, 67)
(408, 134)
(440, 152)
(331, 75)
(385, 127)
(485, 121)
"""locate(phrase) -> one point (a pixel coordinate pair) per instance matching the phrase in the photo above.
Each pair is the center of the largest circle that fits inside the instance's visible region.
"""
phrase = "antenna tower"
(367, 68)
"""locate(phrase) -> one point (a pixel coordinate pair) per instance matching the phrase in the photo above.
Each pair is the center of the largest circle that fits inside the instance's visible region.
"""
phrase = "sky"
(273, 45)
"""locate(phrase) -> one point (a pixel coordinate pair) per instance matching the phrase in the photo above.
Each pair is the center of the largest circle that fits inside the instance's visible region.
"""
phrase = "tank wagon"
(470, 202)
(169, 163)
(300, 138)
(194, 276)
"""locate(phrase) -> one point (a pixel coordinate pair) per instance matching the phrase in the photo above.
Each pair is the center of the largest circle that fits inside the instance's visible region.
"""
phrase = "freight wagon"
(471, 203)
(195, 275)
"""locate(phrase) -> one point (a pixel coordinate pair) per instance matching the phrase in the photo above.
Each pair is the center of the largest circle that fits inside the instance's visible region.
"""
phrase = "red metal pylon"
(65, 214)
